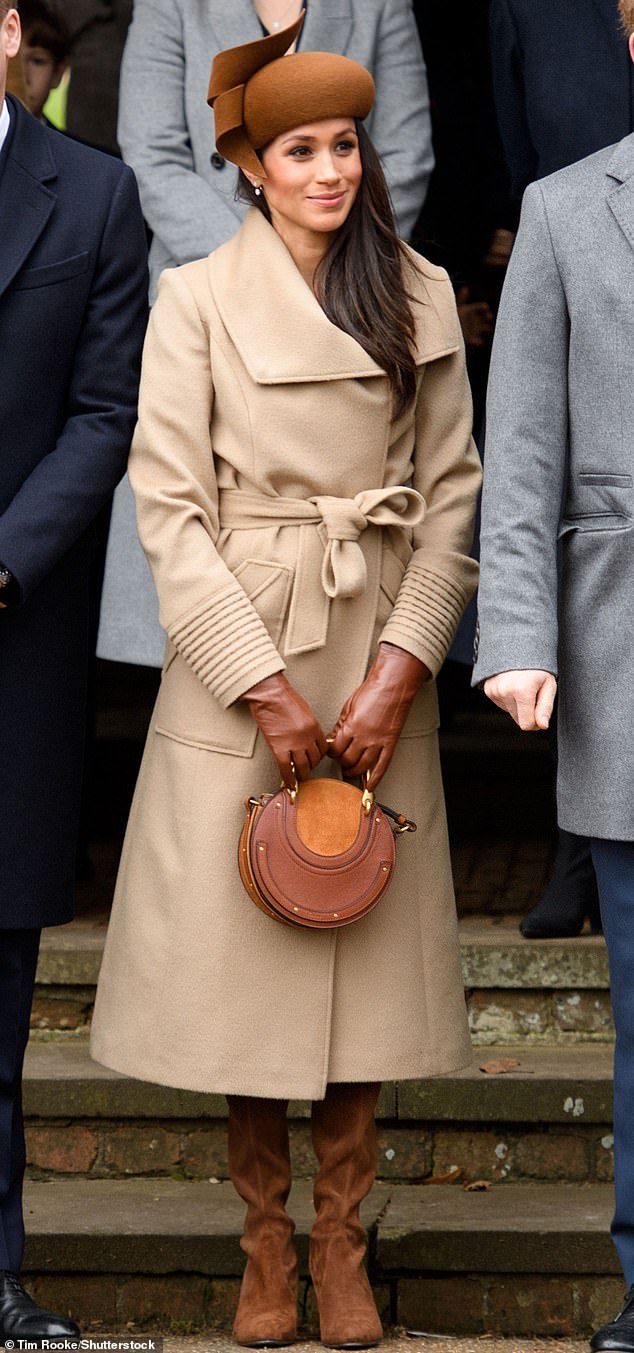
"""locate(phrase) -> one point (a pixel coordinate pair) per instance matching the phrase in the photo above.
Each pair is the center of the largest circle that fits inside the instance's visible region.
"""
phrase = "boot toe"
(371, 1341)
(264, 1333)
(348, 1328)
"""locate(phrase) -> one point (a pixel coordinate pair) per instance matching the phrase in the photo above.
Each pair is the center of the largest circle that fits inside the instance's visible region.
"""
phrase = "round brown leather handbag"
(319, 855)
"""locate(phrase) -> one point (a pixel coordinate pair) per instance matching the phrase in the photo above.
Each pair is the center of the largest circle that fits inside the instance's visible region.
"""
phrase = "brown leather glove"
(371, 721)
(289, 726)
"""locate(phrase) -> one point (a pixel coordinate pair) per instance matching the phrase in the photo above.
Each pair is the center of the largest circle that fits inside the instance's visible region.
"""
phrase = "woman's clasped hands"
(292, 731)
(368, 728)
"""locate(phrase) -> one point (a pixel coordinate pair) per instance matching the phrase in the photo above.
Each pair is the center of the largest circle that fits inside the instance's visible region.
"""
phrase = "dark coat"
(98, 30)
(469, 180)
(73, 287)
(563, 82)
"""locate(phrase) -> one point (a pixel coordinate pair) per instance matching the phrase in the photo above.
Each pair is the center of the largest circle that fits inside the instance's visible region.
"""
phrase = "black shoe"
(22, 1318)
(618, 1335)
(571, 895)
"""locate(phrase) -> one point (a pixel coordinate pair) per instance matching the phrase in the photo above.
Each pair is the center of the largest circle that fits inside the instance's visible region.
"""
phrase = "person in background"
(73, 310)
(98, 30)
(43, 53)
(467, 221)
(555, 599)
(562, 89)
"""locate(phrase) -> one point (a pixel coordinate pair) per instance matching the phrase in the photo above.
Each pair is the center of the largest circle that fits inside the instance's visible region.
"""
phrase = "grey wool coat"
(274, 491)
(557, 581)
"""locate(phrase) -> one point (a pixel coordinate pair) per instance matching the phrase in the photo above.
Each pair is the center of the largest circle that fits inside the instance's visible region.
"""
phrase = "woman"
(187, 185)
(288, 380)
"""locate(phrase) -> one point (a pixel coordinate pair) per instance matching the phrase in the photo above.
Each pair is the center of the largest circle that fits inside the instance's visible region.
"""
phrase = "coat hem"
(227, 1086)
(606, 831)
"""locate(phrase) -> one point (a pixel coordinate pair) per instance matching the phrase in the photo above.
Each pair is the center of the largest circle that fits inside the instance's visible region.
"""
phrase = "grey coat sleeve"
(526, 457)
(400, 124)
(183, 210)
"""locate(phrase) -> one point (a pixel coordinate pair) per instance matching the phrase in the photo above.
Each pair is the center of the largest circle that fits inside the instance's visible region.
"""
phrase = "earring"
(258, 190)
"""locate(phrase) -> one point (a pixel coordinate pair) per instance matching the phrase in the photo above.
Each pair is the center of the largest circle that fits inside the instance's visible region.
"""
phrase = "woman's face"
(313, 175)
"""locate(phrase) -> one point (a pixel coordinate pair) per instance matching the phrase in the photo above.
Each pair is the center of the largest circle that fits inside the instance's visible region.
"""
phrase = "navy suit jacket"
(563, 82)
(73, 309)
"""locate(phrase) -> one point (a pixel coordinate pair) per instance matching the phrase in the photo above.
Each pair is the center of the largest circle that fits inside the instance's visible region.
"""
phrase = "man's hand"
(528, 696)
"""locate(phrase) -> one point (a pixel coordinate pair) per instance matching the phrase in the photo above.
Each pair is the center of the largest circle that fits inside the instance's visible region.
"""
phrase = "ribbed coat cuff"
(428, 608)
(226, 644)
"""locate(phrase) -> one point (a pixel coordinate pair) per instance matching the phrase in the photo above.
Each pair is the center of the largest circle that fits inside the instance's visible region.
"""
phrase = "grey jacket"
(166, 128)
(557, 579)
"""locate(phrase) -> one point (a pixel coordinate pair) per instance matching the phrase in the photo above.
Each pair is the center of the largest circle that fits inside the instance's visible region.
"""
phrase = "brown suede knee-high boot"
(344, 1138)
(260, 1170)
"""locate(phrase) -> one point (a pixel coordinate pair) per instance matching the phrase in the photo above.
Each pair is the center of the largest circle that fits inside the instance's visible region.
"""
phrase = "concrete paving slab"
(494, 954)
(511, 1228)
(152, 1225)
(61, 1080)
(560, 1084)
(550, 1085)
(166, 1226)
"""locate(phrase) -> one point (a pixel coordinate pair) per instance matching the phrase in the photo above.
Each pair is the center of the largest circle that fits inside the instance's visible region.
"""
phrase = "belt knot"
(344, 572)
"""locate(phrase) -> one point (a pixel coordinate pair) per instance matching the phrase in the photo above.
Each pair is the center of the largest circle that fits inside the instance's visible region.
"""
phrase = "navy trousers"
(18, 961)
(614, 868)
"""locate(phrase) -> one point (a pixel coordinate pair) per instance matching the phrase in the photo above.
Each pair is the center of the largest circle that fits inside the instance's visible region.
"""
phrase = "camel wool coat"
(274, 491)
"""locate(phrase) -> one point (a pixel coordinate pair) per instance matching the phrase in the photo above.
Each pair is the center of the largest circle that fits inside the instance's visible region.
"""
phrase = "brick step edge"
(516, 1261)
(109, 1149)
(548, 1119)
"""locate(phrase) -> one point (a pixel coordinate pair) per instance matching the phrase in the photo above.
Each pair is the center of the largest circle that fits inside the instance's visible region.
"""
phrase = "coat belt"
(328, 545)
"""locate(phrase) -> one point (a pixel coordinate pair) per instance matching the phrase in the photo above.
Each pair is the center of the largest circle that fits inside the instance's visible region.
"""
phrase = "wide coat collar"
(279, 328)
(620, 167)
(26, 202)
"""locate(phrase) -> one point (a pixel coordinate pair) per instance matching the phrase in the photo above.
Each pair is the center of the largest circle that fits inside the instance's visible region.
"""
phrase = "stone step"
(548, 1085)
(548, 1118)
(518, 991)
(515, 1260)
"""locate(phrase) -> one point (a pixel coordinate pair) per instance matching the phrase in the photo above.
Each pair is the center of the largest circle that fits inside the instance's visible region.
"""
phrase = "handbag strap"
(403, 824)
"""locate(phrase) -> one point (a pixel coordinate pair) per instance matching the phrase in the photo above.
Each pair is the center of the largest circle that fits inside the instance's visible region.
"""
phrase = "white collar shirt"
(4, 123)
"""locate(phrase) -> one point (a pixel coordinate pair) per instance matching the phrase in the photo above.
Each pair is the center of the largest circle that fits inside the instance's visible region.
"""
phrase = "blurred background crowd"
(475, 99)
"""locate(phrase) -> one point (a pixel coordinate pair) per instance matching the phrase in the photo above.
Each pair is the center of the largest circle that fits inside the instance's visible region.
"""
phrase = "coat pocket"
(585, 522)
(603, 478)
(186, 710)
(50, 273)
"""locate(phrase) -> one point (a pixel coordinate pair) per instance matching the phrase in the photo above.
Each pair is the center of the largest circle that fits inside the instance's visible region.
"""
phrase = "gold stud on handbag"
(319, 855)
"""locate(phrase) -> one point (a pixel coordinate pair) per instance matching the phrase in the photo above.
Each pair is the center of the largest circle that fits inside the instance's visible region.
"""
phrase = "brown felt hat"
(257, 92)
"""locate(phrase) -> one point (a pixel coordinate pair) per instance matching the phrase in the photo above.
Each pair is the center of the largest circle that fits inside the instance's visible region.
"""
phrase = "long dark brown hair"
(360, 282)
